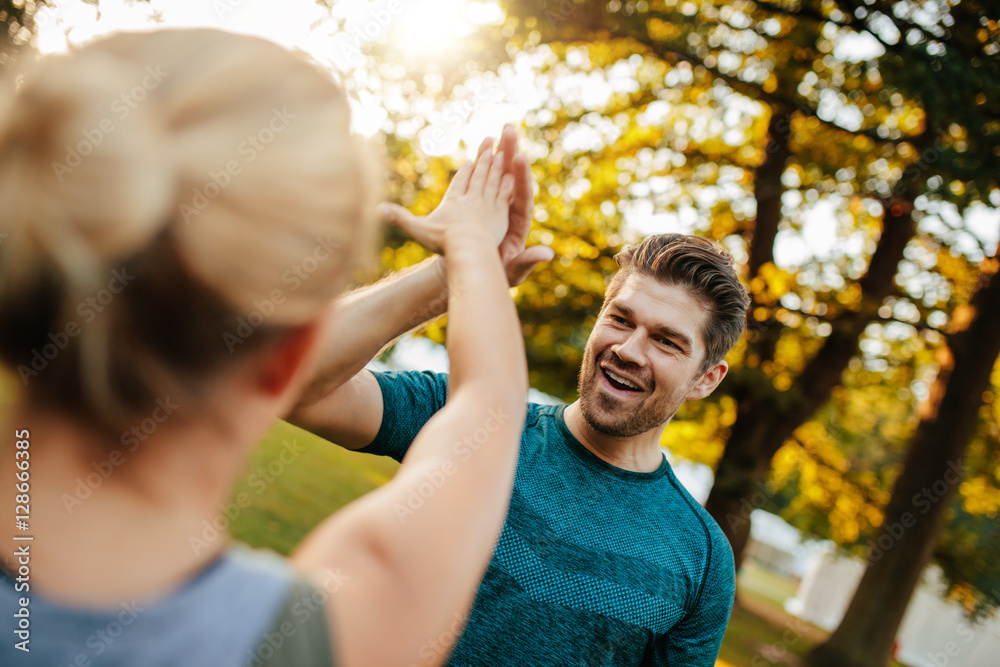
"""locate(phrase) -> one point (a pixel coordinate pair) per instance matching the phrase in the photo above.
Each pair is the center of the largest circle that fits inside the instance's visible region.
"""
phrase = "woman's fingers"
(493, 179)
(482, 170)
(460, 183)
(486, 145)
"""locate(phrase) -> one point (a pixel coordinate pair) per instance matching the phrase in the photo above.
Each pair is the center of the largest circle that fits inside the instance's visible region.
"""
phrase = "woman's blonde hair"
(170, 200)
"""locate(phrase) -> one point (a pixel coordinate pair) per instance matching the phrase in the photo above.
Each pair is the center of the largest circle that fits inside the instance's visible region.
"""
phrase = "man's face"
(643, 358)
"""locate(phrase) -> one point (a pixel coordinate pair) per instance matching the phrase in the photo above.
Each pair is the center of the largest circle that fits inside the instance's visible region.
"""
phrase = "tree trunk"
(740, 475)
(765, 419)
(931, 472)
(737, 474)
(768, 190)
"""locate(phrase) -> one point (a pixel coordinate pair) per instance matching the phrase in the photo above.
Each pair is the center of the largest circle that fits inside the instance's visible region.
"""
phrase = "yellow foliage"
(851, 296)
(980, 496)
(663, 31)
(772, 283)
(693, 440)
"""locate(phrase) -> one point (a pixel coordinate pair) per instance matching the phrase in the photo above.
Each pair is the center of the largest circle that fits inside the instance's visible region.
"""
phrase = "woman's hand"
(478, 198)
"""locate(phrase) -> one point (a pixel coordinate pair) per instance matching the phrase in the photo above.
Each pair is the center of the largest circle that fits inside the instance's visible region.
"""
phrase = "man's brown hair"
(702, 267)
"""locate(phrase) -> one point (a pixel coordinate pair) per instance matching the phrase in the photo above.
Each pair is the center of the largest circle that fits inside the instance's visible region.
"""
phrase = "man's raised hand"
(517, 261)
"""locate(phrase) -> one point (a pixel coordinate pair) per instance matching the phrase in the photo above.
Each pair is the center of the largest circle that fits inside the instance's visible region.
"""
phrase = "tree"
(933, 468)
(780, 57)
(930, 476)
(740, 115)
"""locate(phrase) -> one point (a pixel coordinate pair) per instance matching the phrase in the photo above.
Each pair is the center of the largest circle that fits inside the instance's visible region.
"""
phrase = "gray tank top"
(247, 609)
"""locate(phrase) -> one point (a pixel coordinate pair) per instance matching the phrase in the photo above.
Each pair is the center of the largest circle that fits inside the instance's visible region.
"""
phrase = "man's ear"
(285, 361)
(709, 381)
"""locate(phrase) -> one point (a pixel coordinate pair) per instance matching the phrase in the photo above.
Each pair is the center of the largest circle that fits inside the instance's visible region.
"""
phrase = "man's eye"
(667, 342)
(619, 320)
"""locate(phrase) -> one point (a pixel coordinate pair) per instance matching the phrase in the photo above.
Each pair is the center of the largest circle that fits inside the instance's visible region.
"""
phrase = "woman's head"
(171, 202)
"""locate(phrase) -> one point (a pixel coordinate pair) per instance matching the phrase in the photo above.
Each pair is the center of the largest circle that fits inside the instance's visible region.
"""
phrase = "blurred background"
(846, 152)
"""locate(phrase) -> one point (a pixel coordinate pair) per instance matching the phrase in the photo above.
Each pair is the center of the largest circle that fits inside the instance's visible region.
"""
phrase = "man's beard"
(610, 415)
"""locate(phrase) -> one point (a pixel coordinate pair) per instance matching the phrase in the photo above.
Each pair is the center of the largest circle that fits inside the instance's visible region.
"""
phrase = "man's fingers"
(508, 146)
(519, 268)
(524, 182)
(396, 215)
(506, 189)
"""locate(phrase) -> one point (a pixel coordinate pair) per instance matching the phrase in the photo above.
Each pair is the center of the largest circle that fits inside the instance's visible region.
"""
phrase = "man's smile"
(622, 382)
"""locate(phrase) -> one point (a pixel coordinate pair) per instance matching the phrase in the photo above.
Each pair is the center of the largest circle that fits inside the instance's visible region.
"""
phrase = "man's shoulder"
(543, 422)
(400, 375)
(716, 544)
(412, 382)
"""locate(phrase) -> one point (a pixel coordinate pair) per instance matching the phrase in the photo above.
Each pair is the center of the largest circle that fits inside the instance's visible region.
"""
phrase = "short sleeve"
(696, 639)
(409, 400)
(300, 634)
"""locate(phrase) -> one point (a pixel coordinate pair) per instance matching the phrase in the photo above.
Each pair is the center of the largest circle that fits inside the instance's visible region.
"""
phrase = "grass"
(760, 633)
(752, 640)
(766, 585)
(293, 481)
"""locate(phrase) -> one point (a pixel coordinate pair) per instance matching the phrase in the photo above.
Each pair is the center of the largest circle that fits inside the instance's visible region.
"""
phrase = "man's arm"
(696, 639)
(343, 403)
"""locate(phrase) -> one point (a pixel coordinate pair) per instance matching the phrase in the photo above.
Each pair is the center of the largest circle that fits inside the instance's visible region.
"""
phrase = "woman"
(181, 207)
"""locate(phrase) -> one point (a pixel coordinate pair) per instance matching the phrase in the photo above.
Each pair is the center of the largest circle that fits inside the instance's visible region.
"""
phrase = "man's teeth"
(619, 378)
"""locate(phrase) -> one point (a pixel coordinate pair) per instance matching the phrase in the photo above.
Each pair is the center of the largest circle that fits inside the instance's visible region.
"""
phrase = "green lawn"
(293, 481)
(760, 633)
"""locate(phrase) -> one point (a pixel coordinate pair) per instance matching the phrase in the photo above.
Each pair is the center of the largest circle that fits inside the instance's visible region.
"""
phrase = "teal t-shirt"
(595, 566)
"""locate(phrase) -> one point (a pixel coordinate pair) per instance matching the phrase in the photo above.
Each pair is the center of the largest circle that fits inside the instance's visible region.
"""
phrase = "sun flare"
(430, 27)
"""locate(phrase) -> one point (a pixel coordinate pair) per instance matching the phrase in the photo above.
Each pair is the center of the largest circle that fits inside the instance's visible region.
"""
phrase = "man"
(604, 558)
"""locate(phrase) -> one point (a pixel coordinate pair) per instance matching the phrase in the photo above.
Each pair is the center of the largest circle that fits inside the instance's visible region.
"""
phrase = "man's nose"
(630, 350)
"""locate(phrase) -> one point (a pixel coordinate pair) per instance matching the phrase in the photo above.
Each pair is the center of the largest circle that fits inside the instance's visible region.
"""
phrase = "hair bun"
(85, 174)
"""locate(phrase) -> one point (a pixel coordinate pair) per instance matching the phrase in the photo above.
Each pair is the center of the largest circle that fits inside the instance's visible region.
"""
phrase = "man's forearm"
(371, 317)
